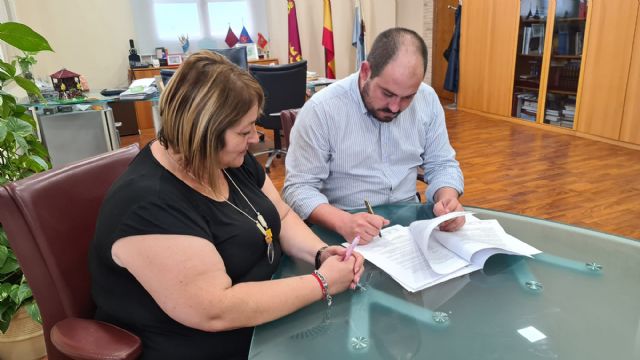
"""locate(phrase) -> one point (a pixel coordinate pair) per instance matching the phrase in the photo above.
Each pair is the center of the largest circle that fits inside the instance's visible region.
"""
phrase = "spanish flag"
(295, 52)
(327, 42)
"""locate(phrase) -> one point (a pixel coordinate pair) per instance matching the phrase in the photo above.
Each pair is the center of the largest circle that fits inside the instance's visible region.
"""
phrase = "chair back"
(50, 220)
(288, 118)
(284, 88)
(237, 55)
(166, 74)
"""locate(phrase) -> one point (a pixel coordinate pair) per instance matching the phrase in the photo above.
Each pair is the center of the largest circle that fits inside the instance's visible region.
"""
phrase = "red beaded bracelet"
(324, 286)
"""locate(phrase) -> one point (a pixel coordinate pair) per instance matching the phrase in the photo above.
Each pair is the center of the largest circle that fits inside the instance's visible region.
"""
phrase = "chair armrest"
(87, 339)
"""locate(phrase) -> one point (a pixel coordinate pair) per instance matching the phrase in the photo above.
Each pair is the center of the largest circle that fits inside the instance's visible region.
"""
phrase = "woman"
(189, 236)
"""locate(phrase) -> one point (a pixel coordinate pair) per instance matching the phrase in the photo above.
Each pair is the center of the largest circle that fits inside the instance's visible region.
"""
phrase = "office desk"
(582, 293)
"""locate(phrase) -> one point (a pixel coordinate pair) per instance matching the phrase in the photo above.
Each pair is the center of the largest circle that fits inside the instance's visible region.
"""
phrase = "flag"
(231, 38)
(327, 42)
(357, 38)
(262, 41)
(244, 36)
(295, 51)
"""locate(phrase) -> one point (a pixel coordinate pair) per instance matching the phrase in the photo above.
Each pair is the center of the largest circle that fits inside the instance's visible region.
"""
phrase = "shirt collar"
(355, 92)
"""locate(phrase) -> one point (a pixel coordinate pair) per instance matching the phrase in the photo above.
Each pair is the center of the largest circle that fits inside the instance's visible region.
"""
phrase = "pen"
(352, 246)
(370, 211)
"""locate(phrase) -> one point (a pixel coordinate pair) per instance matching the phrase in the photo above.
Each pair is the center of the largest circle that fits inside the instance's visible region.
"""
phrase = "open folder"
(420, 255)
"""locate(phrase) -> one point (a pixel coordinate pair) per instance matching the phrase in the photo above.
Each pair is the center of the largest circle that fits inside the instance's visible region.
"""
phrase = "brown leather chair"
(287, 119)
(50, 220)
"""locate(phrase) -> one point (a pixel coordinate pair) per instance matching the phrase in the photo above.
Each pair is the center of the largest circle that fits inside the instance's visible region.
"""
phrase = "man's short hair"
(387, 44)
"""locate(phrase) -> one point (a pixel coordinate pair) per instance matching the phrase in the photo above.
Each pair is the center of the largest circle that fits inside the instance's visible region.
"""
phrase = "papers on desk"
(420, 256)
(140, 89)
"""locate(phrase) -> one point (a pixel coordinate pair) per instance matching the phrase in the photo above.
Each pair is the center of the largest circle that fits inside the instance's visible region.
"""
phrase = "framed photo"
(252, 51)
(174, 59)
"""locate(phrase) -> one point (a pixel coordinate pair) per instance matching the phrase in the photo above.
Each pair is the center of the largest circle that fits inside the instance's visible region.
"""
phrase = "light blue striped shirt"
(341, 155)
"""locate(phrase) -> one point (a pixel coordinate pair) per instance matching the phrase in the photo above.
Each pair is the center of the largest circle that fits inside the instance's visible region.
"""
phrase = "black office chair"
(166, 75)
(284, 88)
(237, 55)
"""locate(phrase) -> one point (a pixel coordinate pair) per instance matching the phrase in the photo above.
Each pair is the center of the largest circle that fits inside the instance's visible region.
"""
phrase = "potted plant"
(21, 154)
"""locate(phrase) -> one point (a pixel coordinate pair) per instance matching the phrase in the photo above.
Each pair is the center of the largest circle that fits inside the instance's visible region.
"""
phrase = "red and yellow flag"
(327, 42)
(295, 51)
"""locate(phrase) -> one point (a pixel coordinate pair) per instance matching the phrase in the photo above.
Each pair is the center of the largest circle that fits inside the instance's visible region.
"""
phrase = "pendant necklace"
(261, 223)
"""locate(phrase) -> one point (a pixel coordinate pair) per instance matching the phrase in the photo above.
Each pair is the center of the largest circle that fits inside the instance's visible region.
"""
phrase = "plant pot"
(24, 338)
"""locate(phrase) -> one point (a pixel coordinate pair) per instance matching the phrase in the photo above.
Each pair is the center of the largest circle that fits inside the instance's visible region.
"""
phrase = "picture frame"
(252, 50)
(174, 59)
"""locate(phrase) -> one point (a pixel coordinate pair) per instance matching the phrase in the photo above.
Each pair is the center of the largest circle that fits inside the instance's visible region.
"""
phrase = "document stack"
(140, 89)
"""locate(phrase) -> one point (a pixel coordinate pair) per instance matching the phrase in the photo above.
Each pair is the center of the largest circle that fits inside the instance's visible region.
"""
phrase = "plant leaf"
(36, 163)
(19, 127)
(9, 266)
(28, 85)
(34, 311)
(21, 142)
(8, 68)
(23, 37)
(3, 131)
(4, 254)
(23, 293)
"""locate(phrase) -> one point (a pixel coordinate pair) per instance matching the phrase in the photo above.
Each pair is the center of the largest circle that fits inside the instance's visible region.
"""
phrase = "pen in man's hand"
(370, 211)
(353, 245)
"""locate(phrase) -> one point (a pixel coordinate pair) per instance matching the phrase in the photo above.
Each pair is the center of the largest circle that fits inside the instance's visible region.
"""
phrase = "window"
(158, 23)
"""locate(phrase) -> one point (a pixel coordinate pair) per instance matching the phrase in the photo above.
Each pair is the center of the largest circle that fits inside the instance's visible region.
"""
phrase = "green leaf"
(3, 237)
(4, 254)
(28, 85)
(23, 293)
(19, 127)
(38, 149)
(3, 131)
(9, 266)
(21, 143)
(8, 68)
(34, 311)
(36, 163)
(23, 37)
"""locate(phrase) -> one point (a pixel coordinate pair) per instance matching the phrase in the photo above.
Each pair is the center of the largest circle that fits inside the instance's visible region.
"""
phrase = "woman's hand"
(340, 252)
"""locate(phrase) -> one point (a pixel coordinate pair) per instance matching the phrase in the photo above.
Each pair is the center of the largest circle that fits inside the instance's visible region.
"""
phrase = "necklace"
(260, 222)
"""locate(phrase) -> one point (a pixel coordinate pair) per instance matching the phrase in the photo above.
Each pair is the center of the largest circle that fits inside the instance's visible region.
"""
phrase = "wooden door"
(487, 52)
(630, 130)
(443, 26)
(606, 64)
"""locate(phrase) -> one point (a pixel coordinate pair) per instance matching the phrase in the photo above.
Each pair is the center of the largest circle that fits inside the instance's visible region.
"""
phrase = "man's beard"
(389, 115)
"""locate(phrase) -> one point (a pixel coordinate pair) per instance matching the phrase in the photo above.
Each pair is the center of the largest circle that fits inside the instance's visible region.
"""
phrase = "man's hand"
(366, 225)
(446, 202)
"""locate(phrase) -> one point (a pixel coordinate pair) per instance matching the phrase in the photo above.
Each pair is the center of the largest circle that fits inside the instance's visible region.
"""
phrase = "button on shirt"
(341, 155)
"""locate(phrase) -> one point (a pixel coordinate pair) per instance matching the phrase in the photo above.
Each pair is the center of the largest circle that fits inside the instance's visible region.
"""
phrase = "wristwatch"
(318, 255)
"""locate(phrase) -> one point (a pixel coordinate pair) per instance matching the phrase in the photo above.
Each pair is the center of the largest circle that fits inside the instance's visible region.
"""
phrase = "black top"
(148, 199)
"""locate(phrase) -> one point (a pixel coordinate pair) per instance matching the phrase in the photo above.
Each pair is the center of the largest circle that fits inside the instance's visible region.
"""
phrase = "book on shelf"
(420, 255)
(536, 42)
(578, 43)
(526, 37)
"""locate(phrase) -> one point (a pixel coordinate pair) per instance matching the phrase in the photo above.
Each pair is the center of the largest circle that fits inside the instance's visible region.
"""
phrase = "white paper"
(532, 334)
(411, 255)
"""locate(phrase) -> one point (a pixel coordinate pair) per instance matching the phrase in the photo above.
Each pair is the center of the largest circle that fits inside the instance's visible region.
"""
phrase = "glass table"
(579, 299)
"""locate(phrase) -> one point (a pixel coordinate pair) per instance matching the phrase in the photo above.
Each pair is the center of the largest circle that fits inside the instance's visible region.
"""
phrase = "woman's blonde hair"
(205, 97)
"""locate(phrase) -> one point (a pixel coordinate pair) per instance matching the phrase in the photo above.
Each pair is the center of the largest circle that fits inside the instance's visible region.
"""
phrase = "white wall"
(89, 37)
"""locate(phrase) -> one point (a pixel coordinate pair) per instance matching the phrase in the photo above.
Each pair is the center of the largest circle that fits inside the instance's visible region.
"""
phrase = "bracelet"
(325, 287)
(318, 255)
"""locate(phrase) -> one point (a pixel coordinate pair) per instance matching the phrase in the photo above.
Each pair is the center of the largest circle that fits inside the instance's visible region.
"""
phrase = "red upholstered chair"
(50, 219)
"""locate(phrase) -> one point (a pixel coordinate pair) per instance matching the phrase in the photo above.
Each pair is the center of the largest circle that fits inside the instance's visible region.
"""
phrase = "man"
(365, 136)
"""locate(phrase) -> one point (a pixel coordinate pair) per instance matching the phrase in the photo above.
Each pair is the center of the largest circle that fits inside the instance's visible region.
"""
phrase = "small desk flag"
(244, 36)
(231, 38)
(262, 41)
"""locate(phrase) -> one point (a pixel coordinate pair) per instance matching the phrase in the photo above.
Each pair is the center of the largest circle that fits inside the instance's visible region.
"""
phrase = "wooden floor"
(524, 170)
